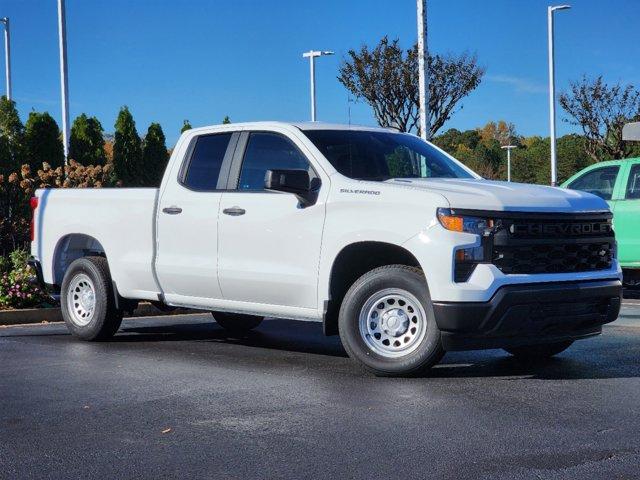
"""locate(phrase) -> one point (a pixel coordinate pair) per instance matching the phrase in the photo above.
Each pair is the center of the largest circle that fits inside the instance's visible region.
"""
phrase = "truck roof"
(300, 125)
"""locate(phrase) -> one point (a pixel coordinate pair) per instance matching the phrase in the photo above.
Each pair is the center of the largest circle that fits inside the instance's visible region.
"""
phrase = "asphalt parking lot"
(175, 397)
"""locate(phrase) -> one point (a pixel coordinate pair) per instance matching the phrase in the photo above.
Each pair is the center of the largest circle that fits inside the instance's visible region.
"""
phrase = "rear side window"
(633, 185)
(204, 167)
(268, 151)
(599, 181)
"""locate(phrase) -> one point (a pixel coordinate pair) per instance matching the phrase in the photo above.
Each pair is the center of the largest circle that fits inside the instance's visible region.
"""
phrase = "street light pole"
(311, 55)
(64, 87)
(7, 54)
(552, 89)
(423, 70)
(508, 148)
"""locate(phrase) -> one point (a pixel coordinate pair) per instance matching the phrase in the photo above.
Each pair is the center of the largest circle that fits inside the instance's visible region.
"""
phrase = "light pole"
(64, 87)
(508, 148)
(423, 69)
(7, 54)
(552, 90)
(311, 55)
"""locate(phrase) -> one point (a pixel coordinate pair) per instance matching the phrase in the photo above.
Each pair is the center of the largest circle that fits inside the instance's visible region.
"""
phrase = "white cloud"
(519, 84)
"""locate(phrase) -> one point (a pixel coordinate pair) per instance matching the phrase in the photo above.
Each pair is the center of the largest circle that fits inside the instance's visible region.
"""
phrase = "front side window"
(268, 151)
(633, 185)
(206, 160)
(379, 156)
(599, 181)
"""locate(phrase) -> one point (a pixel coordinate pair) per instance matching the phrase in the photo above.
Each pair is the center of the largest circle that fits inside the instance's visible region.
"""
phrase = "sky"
(204, 59)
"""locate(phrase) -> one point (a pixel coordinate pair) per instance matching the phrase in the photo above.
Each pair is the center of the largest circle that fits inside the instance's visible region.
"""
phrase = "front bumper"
(529, 314)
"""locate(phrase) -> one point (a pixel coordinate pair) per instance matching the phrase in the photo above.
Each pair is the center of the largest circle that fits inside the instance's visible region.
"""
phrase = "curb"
(48, 315)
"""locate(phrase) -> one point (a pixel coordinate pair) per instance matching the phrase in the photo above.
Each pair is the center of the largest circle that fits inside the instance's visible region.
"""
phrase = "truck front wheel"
(235, 322)
(87, 299)
(386, 322)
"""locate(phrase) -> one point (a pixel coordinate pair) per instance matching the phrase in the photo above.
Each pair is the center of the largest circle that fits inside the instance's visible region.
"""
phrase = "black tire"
(426, 351)
(105, 319)
(236, 323)
(539, 352)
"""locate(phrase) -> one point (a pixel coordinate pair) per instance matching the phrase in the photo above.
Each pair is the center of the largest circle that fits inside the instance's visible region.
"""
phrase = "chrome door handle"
(234, 211)
(172, 210)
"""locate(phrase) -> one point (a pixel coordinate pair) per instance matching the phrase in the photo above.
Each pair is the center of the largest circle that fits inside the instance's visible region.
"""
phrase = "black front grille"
(553, 258)
(535, 243)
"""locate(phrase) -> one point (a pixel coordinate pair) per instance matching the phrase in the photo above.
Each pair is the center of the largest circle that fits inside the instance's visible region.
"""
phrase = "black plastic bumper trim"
(529, 314)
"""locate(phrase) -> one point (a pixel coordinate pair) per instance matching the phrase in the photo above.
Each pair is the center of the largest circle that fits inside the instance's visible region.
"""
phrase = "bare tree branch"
(386, 77)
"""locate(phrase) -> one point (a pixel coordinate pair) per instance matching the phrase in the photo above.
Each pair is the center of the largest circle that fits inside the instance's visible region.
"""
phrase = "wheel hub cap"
(392, 323)
(81, 300)
(395, 322)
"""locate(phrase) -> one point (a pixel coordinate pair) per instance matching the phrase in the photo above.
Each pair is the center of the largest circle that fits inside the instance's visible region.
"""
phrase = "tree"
(503, 132)
(386, 77)
(185, 126)
(154, 155)
(601, 111)
(42, 141)
(12, 134)
(86, 145)
(226, 120)
(127, 150)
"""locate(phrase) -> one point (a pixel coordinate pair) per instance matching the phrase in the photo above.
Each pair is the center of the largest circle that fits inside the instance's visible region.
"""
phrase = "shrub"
(18, 283)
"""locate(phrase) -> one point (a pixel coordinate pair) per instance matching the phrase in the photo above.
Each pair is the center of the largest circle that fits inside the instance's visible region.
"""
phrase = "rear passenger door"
(269, 246)
(187, 221)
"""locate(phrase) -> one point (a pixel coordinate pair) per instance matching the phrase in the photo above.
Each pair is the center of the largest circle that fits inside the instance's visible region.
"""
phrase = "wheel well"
(352, 262)
(71, 247)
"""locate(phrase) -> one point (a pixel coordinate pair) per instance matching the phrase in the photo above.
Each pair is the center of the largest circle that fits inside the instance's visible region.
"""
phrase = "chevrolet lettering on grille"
(582, 228)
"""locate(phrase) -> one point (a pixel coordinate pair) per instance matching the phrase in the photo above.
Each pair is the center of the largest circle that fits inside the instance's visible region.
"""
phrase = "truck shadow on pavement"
(292, 336)
(615, 354)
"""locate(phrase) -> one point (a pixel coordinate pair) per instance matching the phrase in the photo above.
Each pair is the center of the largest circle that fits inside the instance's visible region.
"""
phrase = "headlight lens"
(461, 223)
(466, 259)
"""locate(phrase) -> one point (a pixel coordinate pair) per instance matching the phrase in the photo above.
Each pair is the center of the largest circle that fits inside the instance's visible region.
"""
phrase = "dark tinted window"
(206, 160)
(633, 185)
(371, 155)
(268, 151)
(600, 181)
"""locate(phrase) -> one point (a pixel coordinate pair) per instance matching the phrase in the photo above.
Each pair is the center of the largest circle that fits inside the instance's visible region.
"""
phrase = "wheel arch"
(71, 247)
(353, 261)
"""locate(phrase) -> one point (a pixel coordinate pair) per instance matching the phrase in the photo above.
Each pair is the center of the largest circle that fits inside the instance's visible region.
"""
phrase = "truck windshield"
(379, 156)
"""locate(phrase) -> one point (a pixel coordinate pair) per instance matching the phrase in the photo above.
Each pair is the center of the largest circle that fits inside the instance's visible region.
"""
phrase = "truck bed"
(116, 221)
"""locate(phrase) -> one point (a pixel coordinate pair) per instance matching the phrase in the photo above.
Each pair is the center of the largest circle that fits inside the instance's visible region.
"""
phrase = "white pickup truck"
(385, 238)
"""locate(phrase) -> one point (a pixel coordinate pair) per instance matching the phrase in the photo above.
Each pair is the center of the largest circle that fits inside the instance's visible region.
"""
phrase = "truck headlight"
(463, 223)
(466, 259)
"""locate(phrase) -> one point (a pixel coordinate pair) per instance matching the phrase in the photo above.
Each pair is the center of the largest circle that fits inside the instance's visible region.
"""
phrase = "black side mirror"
(297, 182)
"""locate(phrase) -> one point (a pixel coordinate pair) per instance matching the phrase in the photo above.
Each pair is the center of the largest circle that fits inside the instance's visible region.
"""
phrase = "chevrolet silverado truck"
(384, 238)
(618, 182)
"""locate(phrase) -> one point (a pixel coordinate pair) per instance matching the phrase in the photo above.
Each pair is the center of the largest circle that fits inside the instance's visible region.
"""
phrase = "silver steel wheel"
(392, 322)
(81, 299)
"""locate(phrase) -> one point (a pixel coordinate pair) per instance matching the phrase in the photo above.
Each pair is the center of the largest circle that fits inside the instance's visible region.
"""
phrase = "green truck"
(618, 182)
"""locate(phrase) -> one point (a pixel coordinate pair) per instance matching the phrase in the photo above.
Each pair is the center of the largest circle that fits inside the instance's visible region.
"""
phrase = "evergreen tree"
(154, 155)
(226, 120)
(86, 145)
(185, 126)
(42, 141)
(12, 133)
(127, 150)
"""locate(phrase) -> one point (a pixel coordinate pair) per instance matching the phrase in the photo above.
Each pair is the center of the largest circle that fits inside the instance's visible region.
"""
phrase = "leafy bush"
(18, 283)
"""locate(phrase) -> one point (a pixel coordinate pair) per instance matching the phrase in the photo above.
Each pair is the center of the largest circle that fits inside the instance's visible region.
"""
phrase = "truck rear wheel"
(387, 324)
(235, 322)
(87, 300)
(538, 352)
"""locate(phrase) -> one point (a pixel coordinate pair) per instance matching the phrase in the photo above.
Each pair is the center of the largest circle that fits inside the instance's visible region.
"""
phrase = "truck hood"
(479, 194)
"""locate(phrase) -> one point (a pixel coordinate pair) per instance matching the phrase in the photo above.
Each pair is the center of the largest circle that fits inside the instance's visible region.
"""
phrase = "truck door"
(269, 247)
(626, 220)
(187, 221)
